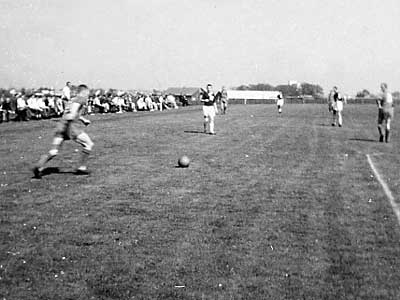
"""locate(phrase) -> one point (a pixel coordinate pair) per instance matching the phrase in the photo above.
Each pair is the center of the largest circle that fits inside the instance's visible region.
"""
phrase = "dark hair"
(209, 84)
(82, 87)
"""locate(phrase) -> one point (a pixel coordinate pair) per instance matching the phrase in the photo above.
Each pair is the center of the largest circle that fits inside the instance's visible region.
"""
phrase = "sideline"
(386, 189)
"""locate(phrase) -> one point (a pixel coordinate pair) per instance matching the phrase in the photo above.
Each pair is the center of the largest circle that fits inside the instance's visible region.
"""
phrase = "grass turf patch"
(272, 207)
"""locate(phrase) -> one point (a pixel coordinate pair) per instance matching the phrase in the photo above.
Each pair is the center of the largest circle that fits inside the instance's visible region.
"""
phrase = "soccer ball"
(183, 161)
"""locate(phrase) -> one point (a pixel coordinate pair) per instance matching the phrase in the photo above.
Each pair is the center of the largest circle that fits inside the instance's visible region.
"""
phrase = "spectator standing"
(66, 94)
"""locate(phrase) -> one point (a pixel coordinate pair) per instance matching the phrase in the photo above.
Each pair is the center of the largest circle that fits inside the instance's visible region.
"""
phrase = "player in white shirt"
(209, 108)
(385, 113)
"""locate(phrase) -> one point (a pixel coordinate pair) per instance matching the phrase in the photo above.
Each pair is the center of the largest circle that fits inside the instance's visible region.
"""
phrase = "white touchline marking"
(386, 189)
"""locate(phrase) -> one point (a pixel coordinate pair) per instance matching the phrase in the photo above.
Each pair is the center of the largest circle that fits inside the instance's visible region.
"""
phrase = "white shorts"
(279, 102)
(338, 105)
(208, 111)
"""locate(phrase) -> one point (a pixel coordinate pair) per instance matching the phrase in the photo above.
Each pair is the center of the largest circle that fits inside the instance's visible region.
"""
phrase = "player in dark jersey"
(67, 129)
(209, 108)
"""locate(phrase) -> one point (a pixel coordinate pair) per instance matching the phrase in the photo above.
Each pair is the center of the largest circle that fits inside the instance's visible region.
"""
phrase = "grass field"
(272, 207)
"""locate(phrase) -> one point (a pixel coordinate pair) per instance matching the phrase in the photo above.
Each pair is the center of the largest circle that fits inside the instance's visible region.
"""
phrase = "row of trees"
(314, 90)
(366, 94)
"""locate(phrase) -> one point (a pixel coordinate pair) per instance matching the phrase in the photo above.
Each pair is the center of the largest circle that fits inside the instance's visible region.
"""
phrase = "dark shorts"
(384, 114)
(67, 130)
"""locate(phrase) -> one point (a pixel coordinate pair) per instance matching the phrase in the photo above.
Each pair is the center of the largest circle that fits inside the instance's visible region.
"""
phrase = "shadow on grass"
(363, 140)
(194, 131)
(55, 170)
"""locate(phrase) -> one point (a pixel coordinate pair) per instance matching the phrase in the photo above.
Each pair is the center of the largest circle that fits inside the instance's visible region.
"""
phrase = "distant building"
(253, 95)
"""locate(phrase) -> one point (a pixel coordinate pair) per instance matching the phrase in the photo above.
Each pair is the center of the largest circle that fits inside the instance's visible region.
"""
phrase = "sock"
(387, 137)
(211, 126)
(43, 160)
(380, 131)
(84, 158)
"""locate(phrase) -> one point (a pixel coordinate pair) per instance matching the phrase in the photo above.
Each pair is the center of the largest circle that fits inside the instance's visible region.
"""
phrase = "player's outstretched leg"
(39, 167)
(84, 140)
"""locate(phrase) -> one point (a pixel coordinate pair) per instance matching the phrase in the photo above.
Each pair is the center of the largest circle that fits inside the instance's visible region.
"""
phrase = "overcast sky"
(161, 43)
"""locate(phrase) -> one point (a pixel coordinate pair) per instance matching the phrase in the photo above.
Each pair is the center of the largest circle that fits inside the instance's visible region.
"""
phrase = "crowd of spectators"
(46, 103)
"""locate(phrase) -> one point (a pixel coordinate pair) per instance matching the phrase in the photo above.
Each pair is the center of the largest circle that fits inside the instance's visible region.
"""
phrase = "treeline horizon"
(302, 89)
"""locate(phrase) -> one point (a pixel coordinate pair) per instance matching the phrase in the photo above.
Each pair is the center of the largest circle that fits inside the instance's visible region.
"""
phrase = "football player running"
(67, 129)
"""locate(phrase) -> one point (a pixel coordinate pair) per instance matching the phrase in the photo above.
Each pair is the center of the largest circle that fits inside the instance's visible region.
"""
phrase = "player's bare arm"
(379, 101)
(204, 92)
